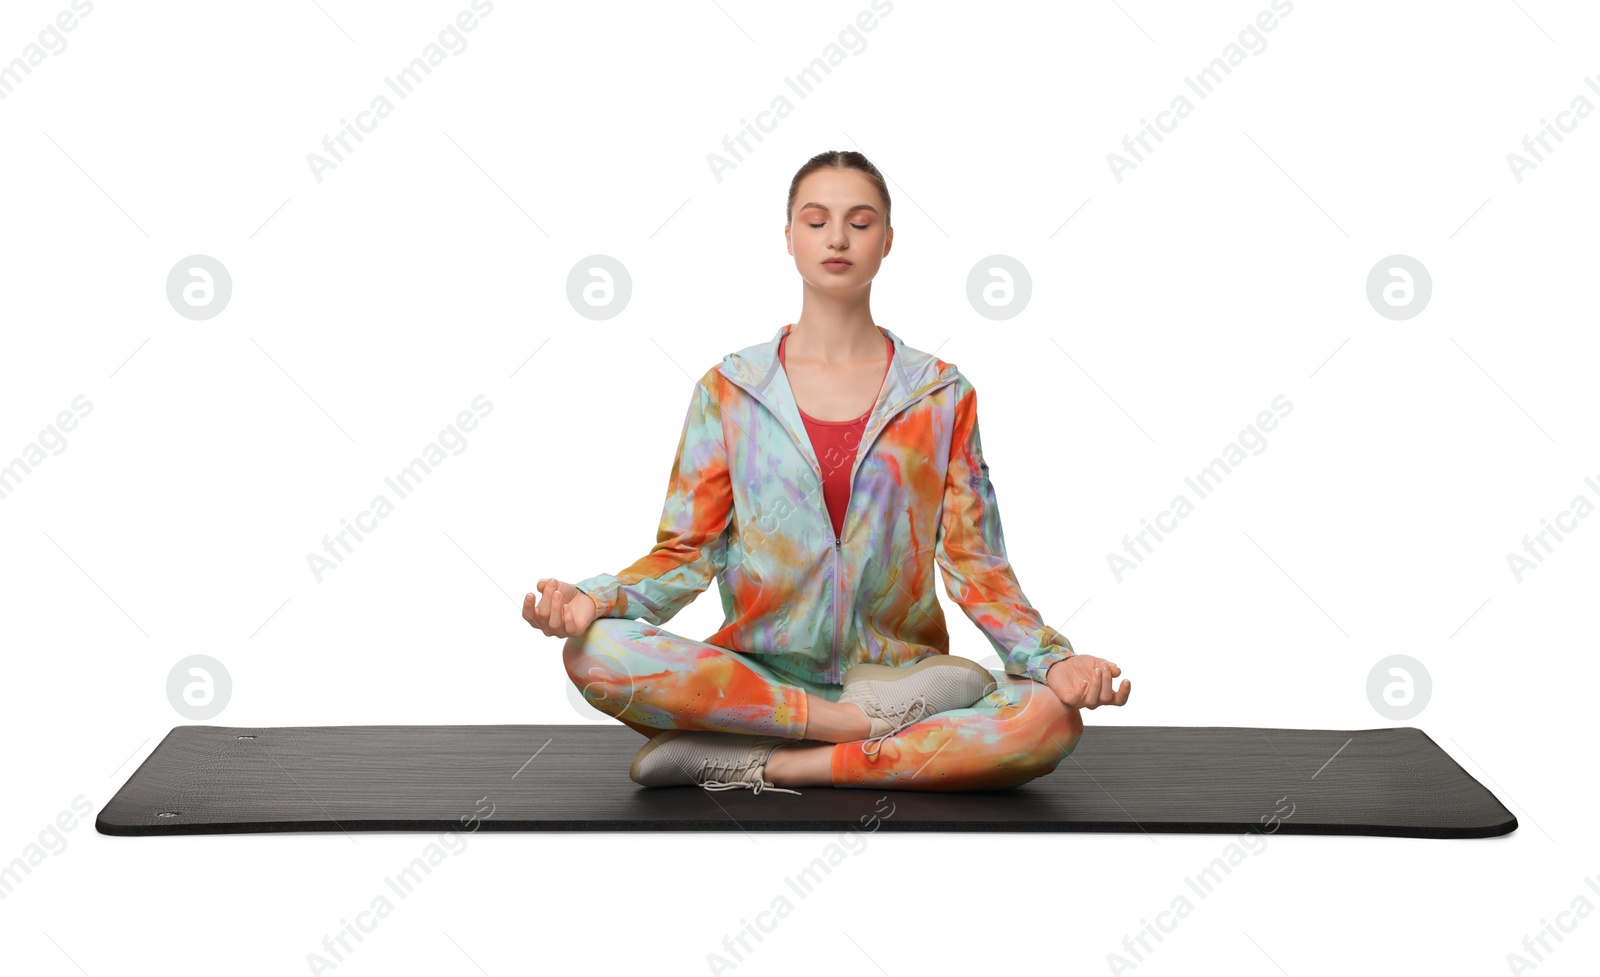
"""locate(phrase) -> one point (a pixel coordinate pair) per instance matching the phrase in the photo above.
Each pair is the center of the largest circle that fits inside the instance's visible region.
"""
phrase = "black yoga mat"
(220, 780)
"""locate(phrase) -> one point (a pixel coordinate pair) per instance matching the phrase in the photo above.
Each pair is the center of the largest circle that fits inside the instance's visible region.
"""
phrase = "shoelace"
(738, 768)
(756, 786)
(908, 715)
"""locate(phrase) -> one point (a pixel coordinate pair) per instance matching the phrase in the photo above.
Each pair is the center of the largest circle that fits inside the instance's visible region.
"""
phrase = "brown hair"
(841, 158)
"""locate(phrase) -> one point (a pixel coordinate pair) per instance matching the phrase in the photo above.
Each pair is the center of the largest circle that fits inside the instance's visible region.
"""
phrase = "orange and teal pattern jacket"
(745, 507)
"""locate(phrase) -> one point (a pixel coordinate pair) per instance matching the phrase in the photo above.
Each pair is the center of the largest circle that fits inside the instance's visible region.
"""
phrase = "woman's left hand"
(1084, 681)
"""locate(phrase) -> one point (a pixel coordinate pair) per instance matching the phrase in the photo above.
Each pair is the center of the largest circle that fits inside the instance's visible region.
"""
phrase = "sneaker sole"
(644, 751)
(871, 672)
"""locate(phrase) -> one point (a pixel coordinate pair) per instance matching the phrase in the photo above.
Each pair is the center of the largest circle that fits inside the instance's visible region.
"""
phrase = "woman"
(819, 479)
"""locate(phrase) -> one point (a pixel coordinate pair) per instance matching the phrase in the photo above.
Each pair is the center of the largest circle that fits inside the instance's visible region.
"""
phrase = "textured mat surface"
(218, 779)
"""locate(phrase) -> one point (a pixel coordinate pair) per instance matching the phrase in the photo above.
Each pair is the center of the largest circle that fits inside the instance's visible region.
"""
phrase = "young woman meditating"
(819, 479)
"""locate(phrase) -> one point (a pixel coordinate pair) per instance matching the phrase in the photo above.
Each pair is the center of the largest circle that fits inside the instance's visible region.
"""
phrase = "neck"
(834, 330)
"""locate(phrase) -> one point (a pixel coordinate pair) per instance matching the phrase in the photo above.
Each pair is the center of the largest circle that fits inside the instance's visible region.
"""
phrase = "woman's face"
(836, 231)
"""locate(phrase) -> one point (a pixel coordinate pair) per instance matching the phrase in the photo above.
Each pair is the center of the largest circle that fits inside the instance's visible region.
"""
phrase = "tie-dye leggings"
(650, 680)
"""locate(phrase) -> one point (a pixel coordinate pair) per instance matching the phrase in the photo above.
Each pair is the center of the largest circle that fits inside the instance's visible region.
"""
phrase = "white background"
(371, 307)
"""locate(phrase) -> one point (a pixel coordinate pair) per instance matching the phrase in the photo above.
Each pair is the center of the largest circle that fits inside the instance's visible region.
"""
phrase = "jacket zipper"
(834, 671)
(838, 616)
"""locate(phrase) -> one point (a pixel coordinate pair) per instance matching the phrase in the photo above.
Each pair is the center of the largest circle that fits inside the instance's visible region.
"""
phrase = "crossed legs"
(650, 680)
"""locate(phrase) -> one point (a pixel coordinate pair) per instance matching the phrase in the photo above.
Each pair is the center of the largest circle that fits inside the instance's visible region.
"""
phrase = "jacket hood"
(912, 373)
(757, 365)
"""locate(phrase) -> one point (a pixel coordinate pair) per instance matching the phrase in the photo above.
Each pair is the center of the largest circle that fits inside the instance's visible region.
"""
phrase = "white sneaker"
(705, 758)
(895, 697)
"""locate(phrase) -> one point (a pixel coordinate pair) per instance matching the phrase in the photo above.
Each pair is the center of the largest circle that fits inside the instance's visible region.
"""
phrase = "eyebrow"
(850, 210)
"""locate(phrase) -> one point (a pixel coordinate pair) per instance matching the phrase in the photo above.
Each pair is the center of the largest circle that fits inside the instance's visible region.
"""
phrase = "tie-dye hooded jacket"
(745, 506)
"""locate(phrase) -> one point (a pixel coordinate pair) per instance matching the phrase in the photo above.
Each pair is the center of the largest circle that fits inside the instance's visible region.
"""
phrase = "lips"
(836, 263)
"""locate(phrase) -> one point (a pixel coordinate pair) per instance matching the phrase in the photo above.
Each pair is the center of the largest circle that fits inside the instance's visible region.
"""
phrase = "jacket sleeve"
(971, 553)
(690, 547)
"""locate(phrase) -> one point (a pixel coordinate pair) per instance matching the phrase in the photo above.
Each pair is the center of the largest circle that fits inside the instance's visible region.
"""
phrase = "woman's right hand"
(562, 610)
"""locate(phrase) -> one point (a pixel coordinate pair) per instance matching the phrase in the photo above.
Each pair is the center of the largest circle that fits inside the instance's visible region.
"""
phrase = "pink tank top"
(835, 443)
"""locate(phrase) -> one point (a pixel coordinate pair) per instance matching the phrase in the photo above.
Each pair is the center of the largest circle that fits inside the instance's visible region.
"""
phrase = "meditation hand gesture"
(563, 610)
(1084, 681)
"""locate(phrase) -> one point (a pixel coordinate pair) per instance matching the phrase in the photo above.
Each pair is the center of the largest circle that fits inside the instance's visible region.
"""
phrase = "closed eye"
(859, 227)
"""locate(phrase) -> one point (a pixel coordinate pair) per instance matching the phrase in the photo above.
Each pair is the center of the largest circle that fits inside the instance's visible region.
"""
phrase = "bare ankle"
(778, 760)
(837, 722)
(800, 765)
(866, 720)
